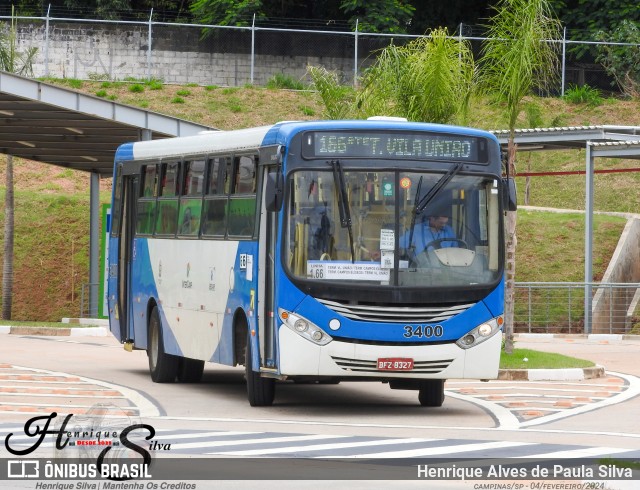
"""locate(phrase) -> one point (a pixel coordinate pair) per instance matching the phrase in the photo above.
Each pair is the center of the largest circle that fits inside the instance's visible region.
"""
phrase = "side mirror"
(510, 195)
(274, 191)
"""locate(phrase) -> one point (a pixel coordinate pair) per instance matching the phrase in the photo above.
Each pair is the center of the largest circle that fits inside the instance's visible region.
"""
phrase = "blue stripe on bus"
(124, 152)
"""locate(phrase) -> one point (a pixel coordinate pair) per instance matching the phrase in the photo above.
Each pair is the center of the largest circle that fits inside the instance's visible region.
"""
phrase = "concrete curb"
(55, 331)
(594, 337)
(574, 374)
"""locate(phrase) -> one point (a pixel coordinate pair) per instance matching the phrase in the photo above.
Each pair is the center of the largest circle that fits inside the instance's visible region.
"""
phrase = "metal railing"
(546, 307)
(235, 55)
(86, 309)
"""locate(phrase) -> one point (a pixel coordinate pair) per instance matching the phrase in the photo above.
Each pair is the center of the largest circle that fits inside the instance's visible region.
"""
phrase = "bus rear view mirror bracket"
(274, 190)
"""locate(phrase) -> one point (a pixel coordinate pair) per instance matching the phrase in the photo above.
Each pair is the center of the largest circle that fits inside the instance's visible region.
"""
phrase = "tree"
(339, 100)
(14, 61)
(391, 16)
(519, 55)
(622, 61)
(226, 12)
(430, 79)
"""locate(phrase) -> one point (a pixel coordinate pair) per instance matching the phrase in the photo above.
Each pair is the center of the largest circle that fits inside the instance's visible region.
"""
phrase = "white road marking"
(451, 449)
(144, 406)
(322, 447)
(265, 440)
(633, 390)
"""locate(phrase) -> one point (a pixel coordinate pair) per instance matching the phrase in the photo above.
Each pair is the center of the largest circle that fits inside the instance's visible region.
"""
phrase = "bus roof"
(279, 133)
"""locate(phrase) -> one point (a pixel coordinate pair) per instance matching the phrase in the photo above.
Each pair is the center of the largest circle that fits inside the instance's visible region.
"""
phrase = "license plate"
(395, 364)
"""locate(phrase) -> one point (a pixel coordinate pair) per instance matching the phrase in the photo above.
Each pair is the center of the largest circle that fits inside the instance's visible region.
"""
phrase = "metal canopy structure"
(50, 124)
(54, 125)
(598, 141)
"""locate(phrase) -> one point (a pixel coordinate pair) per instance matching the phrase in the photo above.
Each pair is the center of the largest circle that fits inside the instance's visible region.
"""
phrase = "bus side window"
(146, 209)
(191, 199)
(167, 217)
(214, 220)
(242, 204)
(150, 181)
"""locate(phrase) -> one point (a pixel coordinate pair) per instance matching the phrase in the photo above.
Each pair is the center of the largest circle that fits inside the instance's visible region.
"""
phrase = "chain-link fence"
(235, 56)
(559, 307)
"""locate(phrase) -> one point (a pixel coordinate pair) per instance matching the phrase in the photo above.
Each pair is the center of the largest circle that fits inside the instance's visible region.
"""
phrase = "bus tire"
(162, 366)
(260, 391)
(190, 370)
(431, 393)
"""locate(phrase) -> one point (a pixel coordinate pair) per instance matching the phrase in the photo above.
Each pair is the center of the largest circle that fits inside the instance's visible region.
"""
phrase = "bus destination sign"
(407, 145)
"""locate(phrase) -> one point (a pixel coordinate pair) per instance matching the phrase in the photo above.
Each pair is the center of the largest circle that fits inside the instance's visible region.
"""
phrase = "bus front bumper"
(301, 357)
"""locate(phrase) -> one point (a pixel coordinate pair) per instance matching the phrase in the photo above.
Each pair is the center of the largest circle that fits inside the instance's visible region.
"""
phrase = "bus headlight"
(480, 334)
(304, 327)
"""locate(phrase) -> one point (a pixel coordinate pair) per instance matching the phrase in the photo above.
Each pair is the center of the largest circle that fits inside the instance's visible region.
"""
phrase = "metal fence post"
(588, 241)
(570, 290)
(610, 309)
(253, 47)
(46, 43)
(529, 288)
(149, 47)
(564, 58)
(355, 57)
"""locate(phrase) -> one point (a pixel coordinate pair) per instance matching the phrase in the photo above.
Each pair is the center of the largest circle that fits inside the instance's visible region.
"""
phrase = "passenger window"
(242, 205)
(169, 179)
(150, 181)
(167, 216)
(191, 200)
(214, 213)
(146, 208)
(194, 178)
(215, 217)
(245, 181)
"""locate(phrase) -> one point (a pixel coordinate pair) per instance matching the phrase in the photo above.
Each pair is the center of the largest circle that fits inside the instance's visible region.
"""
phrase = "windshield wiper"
(420, 205)
(343, 203)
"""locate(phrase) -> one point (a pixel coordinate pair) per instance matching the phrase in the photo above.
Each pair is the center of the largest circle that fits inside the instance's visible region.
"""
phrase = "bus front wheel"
(431, 393)
(163, 366)
(261, 391)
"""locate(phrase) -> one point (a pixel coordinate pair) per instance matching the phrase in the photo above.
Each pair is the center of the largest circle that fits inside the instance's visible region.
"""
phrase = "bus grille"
(394, 313)
(362, 365)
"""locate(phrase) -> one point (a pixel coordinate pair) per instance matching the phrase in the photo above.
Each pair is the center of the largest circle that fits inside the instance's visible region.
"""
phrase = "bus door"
(126, 254)
(267, 256)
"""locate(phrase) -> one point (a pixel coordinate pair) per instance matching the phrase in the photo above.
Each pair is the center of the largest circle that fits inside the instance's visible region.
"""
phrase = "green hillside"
(52, 219)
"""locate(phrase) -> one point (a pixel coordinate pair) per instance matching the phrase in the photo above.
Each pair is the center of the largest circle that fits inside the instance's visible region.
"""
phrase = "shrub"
(622, 61)
(136, 88)
(74, 83)
(183, 93)
(280, 80)
(177, 100)
(583, 95)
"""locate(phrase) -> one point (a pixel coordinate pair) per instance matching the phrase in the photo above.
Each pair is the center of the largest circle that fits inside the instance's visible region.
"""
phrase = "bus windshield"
(408, 228)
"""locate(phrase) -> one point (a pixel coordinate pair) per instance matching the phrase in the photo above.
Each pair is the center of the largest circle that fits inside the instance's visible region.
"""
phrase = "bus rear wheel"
(190, 370)
(431, 392)
(260, 391)
(162, 366)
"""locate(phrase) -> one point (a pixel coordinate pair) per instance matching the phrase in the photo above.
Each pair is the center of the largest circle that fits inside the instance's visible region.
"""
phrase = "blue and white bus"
(308, 251)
